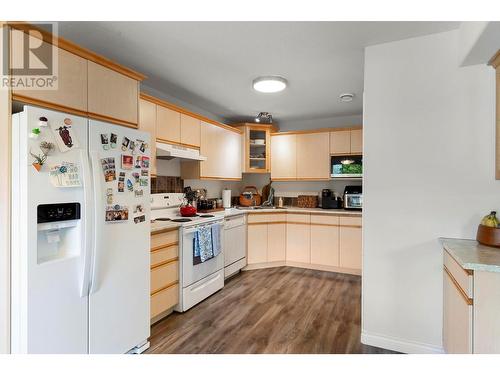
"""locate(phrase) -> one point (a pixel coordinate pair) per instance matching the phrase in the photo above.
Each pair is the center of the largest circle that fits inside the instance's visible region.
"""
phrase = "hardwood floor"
(274, 310)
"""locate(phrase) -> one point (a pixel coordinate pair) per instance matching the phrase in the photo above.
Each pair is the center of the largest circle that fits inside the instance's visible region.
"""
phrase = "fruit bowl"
(489, 236)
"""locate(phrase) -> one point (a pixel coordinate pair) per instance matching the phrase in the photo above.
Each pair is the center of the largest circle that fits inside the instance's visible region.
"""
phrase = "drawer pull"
(165, 262)
(468, 300)
(161, 247)
(164, 287)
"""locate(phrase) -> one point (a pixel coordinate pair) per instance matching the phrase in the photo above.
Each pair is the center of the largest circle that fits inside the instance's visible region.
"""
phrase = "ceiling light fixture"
(264, 117)
(346, 98)
(269, 84)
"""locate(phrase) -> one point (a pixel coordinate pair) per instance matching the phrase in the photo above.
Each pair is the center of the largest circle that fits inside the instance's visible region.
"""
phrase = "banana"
(490, 220)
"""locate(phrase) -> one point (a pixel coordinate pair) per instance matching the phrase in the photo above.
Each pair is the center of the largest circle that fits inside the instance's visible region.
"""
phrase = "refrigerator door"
(49, 313)
(119, 296)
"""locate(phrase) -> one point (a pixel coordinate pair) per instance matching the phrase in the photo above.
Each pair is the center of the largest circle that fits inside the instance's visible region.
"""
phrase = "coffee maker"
(328, 200)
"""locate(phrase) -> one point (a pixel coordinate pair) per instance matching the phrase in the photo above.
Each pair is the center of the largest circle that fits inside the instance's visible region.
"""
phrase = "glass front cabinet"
(257, 147)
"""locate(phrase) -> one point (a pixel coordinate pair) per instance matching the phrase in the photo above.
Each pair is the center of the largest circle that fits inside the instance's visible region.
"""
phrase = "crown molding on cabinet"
(495, 60)
(184, 111)
(322, 130)
(79, 51)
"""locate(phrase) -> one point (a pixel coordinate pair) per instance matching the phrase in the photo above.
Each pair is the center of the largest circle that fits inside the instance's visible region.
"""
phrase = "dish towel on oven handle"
(203, 244)
(216, 244)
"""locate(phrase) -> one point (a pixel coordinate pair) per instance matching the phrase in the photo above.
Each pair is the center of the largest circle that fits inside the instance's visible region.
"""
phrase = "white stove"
(165, 207)
(198, 280)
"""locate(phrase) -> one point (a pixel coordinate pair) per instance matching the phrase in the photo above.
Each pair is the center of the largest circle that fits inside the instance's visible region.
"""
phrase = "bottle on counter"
(280, 202)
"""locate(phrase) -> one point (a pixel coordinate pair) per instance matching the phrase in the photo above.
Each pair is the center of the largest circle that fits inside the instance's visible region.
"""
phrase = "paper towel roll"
(226, 198)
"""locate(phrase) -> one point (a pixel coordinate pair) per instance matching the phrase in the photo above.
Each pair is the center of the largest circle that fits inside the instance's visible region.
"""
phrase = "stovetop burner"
(162, 219)
(207, 215)
(184, 220)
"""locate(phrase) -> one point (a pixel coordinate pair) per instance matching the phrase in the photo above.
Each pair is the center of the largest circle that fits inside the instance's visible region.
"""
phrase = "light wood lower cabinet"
(457, 323)
(276, 242)
(325, 242)
(257, 243)
(350, 242)
(164, 272)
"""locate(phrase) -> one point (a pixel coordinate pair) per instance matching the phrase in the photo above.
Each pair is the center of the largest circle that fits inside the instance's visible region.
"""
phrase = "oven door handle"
(194, 229)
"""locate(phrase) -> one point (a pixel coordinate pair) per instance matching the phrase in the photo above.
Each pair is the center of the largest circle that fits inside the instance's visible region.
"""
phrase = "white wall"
(429, 172)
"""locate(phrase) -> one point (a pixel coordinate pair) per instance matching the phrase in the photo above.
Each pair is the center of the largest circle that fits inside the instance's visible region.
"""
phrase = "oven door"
(192, 270)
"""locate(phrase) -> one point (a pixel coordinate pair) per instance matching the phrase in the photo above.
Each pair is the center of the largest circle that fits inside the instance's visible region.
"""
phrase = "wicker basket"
(307, 201)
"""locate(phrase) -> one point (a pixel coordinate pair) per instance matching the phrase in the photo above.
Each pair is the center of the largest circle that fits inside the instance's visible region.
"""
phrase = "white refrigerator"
(80, 235)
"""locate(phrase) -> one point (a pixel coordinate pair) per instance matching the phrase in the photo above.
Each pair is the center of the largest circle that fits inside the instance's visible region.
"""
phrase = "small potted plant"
(47, 147)
(40, 160)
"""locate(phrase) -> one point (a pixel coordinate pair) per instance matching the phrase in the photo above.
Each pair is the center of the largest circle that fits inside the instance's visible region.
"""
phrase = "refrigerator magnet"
(127, 161)
(125, 143)
(139, 219)
(136, 176)
(130, 185)
(109, 169)
(139, 193)
(43, 122)
(34, 133)
(112, 140)
(65, 136)
(131, 147)
(109, 195)
(138, 209)
(144, 173)
(138, 162)
(105, 141)
(143, 147)
(116, 213)
(47, 147)
(145, 162)
(143, 181)
(121, 186)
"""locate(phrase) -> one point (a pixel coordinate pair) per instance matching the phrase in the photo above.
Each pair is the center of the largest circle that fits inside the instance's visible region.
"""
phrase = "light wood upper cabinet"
(147, 123)
(357, 141)
(284, 156)
(313, 156)
(168, 124)
(190, 130)
(71, 76)
(111, 94)
(340, 142)
(350, 242)
(222, 148)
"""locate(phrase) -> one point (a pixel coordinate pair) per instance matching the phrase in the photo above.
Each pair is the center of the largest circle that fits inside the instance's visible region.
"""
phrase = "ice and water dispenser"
(59, 231)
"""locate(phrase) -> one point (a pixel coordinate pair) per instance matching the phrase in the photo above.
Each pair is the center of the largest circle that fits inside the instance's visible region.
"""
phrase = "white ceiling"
(212, 64)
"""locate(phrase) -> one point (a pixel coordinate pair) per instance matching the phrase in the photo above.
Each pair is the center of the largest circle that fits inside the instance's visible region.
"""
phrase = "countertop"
(162, 225)
(471, 255)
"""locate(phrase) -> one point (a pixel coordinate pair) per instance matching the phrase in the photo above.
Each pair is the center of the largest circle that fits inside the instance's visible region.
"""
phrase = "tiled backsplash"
(166, 184)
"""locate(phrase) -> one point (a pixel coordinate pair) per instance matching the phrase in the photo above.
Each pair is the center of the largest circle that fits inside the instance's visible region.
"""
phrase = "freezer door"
(49, 313)
(119, 295)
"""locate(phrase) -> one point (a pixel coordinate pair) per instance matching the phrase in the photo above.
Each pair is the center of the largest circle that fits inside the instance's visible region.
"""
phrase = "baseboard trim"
(399, 345)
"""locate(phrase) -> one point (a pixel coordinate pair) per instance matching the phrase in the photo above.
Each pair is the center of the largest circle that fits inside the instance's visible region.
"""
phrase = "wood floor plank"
(273, 310)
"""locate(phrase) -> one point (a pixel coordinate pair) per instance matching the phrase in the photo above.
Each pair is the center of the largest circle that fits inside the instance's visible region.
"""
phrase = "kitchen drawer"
(164, 239)
(164, 275)
(298, 218)
(350, 221)
(164, 300)
(325, 219)
(461, 276)
(164, 255)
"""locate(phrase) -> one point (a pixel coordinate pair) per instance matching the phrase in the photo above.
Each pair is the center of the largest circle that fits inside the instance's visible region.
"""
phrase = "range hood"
(167, 151)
